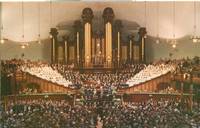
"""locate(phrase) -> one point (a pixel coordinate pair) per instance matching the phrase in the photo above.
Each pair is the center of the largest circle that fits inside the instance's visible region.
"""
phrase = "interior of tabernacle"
(98, 65)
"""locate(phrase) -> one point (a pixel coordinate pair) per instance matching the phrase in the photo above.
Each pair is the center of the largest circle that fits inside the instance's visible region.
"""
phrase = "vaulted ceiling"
(159, 17)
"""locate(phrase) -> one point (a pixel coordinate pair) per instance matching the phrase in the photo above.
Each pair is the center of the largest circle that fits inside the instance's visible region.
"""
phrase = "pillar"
(87, 16)
(108, 16)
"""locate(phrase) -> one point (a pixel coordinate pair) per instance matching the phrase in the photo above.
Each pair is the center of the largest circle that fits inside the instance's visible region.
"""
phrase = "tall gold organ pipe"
(130, 49)
(78, 47)
(86, 43)
(142, 49)
(118, 46)
(65, 51)
(53, 47)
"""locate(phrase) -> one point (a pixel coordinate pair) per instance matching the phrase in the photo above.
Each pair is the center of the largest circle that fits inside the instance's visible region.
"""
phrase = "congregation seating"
(59, 113)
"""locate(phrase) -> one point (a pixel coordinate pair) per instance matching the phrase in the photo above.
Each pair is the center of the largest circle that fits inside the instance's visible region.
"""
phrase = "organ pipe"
(53, 46)
(87, 44)
(118, 47)
(130, 50)
(108, 44)
(78, 47)
(65, 51)
(142, 48)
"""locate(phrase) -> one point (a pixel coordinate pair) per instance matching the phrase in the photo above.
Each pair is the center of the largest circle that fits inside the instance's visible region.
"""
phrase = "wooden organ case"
(103, 48)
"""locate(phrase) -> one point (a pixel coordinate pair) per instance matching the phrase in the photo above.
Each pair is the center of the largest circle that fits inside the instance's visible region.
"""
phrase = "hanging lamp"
(174, 41)
(145, 16)
(39, 39)
(194, 37)
(157, 24)
(50, 7)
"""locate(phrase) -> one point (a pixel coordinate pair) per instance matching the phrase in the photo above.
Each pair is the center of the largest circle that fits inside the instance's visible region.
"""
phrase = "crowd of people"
(150, 114)
(28, 91)
(45, 113)
(63, 75)
(99, 78)
(169, 90)
(99, 108)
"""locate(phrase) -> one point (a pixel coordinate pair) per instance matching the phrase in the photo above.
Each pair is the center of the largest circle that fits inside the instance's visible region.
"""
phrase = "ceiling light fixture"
(39, 40)
(145, 16)
(22, 11)
(194, 37)
(2, 41)
(23, 46)
(50, 8)
(173, 45)
(157, 24)
(174, 41)
(23, 28)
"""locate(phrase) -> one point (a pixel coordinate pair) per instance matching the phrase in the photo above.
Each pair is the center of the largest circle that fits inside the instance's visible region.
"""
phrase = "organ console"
(103, 47)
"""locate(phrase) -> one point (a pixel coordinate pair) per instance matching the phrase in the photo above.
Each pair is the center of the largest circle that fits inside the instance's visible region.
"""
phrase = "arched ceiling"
(64, 14)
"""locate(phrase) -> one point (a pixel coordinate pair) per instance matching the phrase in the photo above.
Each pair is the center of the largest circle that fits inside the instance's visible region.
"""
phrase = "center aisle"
(99, 123)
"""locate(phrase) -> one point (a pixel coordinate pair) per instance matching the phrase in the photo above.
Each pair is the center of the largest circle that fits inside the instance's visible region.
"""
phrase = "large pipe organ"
(103, 48)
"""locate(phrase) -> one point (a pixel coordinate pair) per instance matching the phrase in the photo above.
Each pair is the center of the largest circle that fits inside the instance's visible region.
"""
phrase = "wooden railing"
(141, 97)
(194, 79)
(7, 100)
